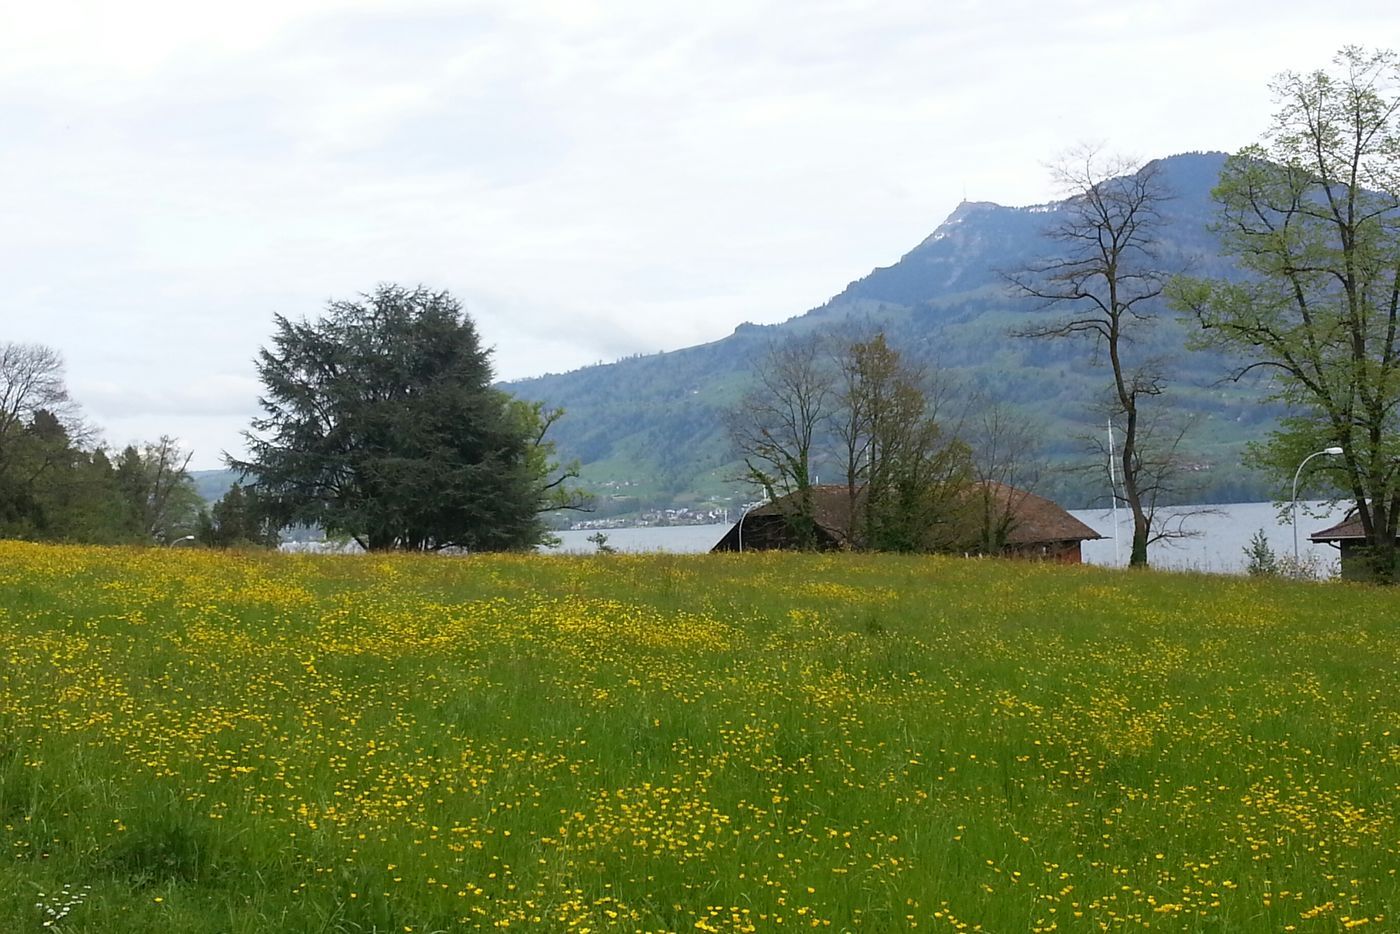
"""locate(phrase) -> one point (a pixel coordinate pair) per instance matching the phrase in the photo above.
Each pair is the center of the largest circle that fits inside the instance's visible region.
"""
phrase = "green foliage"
(158, 497)
(381, 423)
(1261, 560)
(1313, 214)
(54, 486)
(239, 518)
(554, 486)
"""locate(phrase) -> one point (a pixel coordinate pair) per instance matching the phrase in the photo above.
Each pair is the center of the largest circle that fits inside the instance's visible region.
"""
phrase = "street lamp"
(1333, 451)
(744, 516)
(183, 538)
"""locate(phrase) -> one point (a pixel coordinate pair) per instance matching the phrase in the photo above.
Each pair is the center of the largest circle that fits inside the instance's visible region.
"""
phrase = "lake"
(1218, 545)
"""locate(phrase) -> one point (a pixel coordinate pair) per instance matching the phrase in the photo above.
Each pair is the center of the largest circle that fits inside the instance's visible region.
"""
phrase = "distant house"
(1025, 525)
(1350, 538)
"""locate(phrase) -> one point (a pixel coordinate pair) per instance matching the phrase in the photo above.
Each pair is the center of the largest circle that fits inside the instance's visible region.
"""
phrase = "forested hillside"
(654, 425)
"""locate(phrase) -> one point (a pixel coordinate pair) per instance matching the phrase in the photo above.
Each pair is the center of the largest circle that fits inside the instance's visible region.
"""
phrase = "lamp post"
(1332, 451)
(183, 538)
(744, 515)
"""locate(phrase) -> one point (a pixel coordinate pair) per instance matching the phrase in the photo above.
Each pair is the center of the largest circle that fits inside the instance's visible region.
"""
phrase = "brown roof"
(1036, 520)
(831, 507)
(1348, 529)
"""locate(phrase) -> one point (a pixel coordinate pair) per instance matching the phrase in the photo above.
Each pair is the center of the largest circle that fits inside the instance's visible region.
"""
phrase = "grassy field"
(202, 742)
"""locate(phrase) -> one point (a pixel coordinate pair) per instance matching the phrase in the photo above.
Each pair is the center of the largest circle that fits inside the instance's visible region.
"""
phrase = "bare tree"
(852, 399)
(1106, 276)
(777, 427)
(33, 394)
(864, 370)
(1006, 463)
(31, 380)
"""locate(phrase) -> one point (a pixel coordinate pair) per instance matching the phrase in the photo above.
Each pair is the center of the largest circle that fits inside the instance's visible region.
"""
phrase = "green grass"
(202, 742)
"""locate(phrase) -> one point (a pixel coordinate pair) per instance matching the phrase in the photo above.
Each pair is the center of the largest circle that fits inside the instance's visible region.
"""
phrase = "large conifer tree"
(381, 423)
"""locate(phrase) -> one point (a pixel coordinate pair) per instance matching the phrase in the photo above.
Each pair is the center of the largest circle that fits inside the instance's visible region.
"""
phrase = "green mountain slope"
(653, 424)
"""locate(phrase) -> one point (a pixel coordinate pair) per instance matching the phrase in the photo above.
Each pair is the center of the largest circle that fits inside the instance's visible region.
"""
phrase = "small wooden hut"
(1349, 538)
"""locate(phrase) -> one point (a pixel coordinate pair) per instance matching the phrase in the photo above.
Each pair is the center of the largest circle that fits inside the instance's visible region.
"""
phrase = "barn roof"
(831, 507)
(1036, 520)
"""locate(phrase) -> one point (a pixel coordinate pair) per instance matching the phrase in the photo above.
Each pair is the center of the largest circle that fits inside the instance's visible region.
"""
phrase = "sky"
(591, 179)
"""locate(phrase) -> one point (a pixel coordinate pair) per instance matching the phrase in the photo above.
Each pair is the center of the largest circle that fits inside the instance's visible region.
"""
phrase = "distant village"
(660, 518)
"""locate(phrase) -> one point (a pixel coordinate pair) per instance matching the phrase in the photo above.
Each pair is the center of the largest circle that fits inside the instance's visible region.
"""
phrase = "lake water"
(1219, 546)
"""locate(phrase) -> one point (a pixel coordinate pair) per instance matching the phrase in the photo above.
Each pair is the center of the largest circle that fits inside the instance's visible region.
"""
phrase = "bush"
(1262, 560)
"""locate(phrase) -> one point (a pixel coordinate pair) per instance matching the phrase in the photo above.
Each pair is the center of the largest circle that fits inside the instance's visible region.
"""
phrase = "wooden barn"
(1026, 525)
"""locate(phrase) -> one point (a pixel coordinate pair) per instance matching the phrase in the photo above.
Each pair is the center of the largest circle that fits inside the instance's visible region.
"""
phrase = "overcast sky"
(592, 179)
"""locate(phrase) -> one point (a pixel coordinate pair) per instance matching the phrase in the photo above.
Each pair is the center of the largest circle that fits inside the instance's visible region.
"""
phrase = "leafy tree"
(155, 488)
(56, 485)
(78, 501)
(553, 481)
(1312, 213)
(38, 458)
(381, 423)
(1107, 273)
(905, 477)
(1260, 557)
(238, 518)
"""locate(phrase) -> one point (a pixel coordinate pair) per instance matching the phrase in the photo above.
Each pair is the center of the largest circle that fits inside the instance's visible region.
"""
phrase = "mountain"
(211, 485)
(651, 427)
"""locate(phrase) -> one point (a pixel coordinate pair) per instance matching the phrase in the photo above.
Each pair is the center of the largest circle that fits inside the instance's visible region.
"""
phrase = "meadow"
(195, 742)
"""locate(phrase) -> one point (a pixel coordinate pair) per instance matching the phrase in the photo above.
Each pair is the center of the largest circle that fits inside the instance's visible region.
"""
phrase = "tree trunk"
(1381, 556)
(1138, 558)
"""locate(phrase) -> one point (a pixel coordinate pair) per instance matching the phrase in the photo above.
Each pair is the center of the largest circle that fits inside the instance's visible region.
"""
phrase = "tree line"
(58, 484)
(380, 424)
(919, 468)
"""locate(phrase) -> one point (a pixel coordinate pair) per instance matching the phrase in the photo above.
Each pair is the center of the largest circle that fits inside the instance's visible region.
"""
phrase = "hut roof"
(1347, 530)
(831, 507)
(1036, 520)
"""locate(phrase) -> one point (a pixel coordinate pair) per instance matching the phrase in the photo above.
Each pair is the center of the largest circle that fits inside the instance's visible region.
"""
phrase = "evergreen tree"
(239, 518)
(381, 423)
